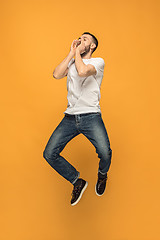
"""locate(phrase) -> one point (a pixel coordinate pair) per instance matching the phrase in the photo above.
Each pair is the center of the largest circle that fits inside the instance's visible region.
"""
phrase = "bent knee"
(50, 155)
(46, 155)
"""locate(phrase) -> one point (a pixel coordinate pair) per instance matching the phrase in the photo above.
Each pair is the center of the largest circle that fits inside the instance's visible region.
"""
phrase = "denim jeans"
(90, 125)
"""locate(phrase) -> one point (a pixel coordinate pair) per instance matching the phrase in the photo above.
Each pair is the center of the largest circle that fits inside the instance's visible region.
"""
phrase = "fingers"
(74, 43)
(76, 40)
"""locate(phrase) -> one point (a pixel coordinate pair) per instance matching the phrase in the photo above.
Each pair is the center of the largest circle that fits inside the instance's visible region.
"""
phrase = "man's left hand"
(81, 47)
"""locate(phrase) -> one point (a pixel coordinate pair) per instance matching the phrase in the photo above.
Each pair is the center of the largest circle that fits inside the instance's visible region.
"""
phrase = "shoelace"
(100, 180)
(75, 190)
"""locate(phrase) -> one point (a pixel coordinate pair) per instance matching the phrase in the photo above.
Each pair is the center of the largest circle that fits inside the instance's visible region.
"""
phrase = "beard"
(86, 51)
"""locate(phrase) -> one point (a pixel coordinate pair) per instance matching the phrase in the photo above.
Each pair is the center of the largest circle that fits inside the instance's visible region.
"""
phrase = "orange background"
(35, 200)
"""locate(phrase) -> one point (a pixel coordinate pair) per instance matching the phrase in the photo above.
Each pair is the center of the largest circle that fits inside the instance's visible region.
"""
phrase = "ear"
(93, 45)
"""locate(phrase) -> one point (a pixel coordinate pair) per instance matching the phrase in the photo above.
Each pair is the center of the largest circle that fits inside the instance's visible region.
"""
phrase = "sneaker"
(78, 190)
(101, 184)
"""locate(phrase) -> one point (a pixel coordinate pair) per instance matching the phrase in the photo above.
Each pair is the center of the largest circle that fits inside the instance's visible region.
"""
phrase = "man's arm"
(62, 69)
(83, 69)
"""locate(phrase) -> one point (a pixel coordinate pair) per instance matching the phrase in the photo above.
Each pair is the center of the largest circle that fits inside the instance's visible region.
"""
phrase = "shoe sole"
(97, 193)
(84, 188)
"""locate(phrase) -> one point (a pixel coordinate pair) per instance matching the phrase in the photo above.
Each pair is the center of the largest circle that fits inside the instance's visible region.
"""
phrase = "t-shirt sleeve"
(99, 66)
(71, 61)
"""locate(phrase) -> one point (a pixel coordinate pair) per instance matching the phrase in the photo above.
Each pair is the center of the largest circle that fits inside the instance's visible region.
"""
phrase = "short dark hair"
(94, 40)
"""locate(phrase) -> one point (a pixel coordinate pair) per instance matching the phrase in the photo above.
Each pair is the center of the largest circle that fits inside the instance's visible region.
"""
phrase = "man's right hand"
(74, 45)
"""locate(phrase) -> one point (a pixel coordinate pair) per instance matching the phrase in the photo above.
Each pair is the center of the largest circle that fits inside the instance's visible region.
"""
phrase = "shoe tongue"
(102, 175)
(77, 182)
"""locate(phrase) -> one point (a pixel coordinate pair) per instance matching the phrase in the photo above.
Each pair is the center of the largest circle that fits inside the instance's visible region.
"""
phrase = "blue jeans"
(90, 125)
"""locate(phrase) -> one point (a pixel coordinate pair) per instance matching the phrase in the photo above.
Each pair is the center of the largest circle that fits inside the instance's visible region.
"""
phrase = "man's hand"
(81, 47)
(74, 45)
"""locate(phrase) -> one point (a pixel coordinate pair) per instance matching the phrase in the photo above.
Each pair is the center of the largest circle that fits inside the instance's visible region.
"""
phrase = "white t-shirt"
(84, 92)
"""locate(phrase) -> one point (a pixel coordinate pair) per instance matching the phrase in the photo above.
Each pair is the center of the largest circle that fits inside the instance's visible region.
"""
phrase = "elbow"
(55, 76)
(81, 74)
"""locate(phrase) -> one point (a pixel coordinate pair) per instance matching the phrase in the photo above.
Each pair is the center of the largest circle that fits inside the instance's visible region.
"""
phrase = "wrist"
(78, 50)
(71, 53)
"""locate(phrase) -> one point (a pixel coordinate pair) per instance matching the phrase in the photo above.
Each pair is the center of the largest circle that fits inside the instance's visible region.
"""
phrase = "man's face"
(87, 41)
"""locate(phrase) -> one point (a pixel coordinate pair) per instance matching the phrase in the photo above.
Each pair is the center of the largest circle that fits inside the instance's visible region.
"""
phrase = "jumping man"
(82, 116)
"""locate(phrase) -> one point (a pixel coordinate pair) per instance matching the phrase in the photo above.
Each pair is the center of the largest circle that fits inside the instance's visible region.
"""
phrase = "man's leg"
(64, 132)
(92, 126)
